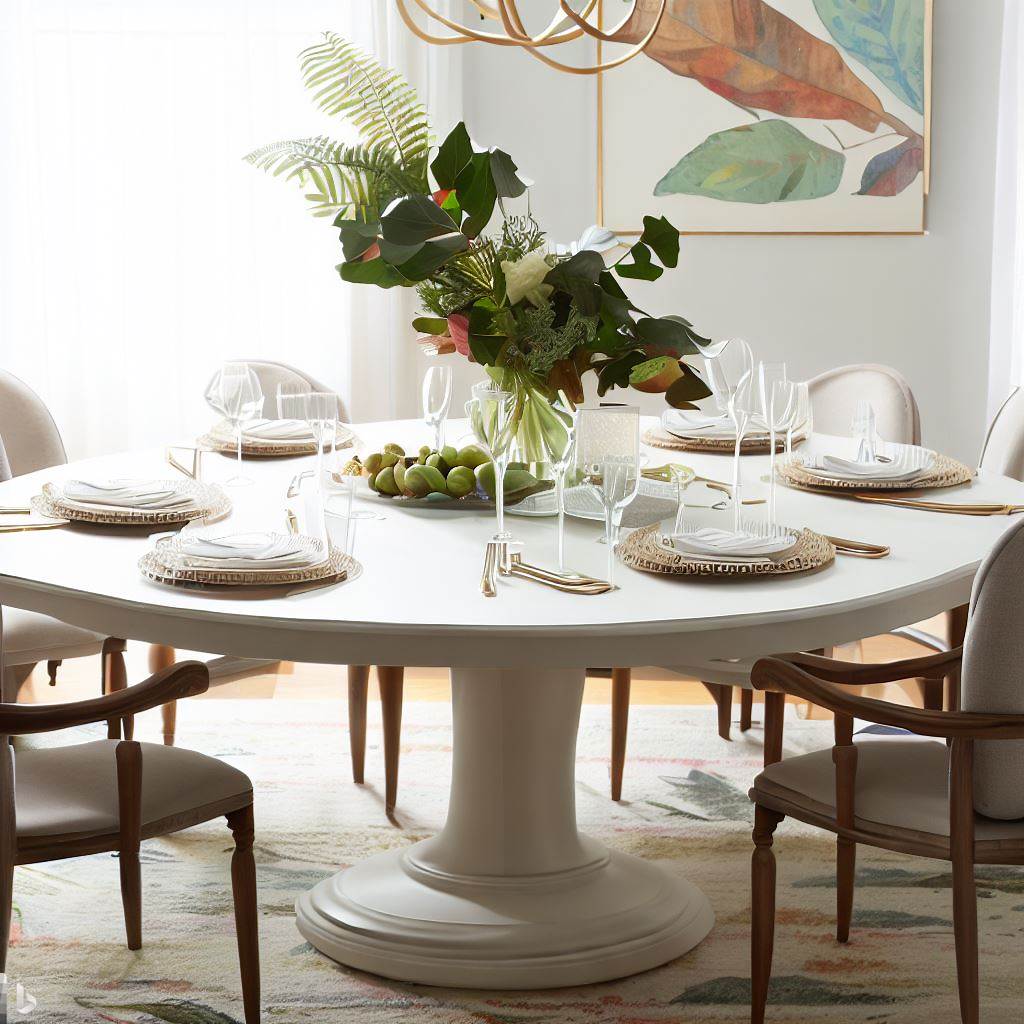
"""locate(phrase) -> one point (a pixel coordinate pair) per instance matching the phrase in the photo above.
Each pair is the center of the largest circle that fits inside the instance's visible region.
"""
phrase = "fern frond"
(379, 102)
(354, 180)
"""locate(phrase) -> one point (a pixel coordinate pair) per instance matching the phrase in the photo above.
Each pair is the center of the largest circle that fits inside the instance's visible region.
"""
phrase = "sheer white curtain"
(1006, 364)
(137, 250)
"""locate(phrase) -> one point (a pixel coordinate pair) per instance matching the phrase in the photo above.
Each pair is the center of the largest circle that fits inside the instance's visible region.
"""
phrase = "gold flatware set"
(498, 561)
(954, 508)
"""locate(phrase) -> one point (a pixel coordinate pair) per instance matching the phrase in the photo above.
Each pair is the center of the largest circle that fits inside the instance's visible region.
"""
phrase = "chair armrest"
(186, 679)
(775, 674)
(851, 673)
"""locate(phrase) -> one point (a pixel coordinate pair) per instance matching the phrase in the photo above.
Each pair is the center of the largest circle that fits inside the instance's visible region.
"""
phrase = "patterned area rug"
(685, 805)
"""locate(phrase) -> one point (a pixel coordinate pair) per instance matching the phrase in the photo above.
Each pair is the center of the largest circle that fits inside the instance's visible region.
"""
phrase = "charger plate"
(221, 438)
(641, 550)
(753, 444)
(945, 471)
(164, 563)
(210, 503)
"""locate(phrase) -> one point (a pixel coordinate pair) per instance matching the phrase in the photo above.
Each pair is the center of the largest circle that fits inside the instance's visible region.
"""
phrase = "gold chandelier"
(566, 25)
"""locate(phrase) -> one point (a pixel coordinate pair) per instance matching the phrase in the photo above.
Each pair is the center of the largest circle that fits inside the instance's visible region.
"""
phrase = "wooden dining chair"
(948, 788)
(109, 795)
(30, 441)
(834, 396)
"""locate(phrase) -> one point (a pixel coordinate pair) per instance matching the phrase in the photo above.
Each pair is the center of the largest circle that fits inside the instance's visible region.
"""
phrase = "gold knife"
(967, 509)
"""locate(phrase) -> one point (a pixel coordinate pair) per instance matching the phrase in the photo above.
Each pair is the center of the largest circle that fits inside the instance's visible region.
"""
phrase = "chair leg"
(390, 679)
(8, 846)
(846, 873)
(746, 709)
(965, 900)
(621, 681)
(51, 669)
(762, 910)
(13, 679)
(722, 696)
(129, 799)
(115, 677)
(160, 657)
(243, 888)
(358, 685)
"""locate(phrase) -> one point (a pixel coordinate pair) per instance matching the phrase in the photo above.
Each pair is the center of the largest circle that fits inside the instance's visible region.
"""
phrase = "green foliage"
(390, 160)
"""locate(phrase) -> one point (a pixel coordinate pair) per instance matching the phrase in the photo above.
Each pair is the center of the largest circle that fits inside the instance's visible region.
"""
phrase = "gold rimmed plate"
(944, 471)
(221, 438)
(208, 502)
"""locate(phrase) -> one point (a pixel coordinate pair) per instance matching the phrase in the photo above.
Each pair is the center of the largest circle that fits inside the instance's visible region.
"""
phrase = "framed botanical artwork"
(768, 117)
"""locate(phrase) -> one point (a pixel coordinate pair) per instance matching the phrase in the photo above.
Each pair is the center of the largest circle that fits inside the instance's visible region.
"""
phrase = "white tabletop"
(418, 600)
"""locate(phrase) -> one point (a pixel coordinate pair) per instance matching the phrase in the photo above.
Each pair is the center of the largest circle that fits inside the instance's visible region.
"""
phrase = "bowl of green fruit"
(452, 478)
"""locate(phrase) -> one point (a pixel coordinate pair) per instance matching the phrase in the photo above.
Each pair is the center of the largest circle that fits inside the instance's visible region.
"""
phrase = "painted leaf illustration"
(755, 56)
(886, 36)
(765, 162)
(889, 173)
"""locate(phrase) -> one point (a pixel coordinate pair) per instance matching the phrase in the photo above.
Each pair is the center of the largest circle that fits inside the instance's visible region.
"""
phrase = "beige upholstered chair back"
(271, 375)
(835, 393)
(1004, 447)
(993, 673)
(30, 438)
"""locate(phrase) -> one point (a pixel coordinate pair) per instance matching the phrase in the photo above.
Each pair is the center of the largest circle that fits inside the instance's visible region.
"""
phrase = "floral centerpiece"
(536, 317)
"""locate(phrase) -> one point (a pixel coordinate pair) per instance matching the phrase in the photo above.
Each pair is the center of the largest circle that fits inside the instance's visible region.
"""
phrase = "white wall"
(920, 304)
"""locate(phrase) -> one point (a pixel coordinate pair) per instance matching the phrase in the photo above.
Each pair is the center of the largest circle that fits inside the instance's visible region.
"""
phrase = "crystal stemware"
(731, 375)
(237, 395)
(682, 477)
(803, 417)
(555, 428)
(490, 413)
(437, 398)
(608, 460)
(865, 431)
(319, 411)
(779, 410)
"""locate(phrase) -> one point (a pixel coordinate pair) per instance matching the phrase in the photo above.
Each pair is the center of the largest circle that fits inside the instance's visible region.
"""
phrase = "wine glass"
(318, 410)
(490, 413)
(437, 397)
(768, 375)
(682, 477)
(779, 414)
(555, 429)
(864, 430)
(608, 458)
(731, 374)
(237, 395)
(803, 417)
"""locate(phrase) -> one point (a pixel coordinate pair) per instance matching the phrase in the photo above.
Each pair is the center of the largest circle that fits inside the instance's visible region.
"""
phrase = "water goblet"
(555, 428)
(779, 411)
(237, 395)
(682, 477)
(491, 417)
(803, 417)
(731, 374)
(865, 431)
(608, 460)
(437, 398)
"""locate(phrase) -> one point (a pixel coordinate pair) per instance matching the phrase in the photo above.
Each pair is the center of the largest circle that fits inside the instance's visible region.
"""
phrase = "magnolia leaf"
(616, 305)
(434, 325)
(578, 277)
(889, 173)
(452, 156)
(642, 268)
(476, 193)
(689, 388)
(614, 373)
(377, 272)
(765, 162)
(414, 219)
(755, 56)
(356, 236)
(886, 36)
(663, 238)
(668, 336)
(609, 340)
(506, 180)
(432, 255)
(397, 254)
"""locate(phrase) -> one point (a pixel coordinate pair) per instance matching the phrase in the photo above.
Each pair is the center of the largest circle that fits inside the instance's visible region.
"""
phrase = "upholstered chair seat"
(30, 637)
(72, 790)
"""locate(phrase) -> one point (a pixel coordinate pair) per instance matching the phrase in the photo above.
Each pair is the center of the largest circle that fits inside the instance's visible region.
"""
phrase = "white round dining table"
(509, 894)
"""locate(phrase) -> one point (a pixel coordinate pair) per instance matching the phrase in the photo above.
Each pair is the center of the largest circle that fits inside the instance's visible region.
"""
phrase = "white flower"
(524, 278)
(596, 238)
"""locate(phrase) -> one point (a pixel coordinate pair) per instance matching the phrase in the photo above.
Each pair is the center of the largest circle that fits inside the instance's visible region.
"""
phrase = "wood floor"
(290, 681)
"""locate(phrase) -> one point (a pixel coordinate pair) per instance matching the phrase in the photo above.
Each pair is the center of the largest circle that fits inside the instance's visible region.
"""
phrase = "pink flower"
(458, 328)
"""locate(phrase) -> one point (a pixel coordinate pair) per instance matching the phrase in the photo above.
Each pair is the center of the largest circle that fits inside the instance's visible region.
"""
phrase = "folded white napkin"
(711, 541)
(251, 551)
(153, 495)
(694, 423)
(906, 464)
(278, 430)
